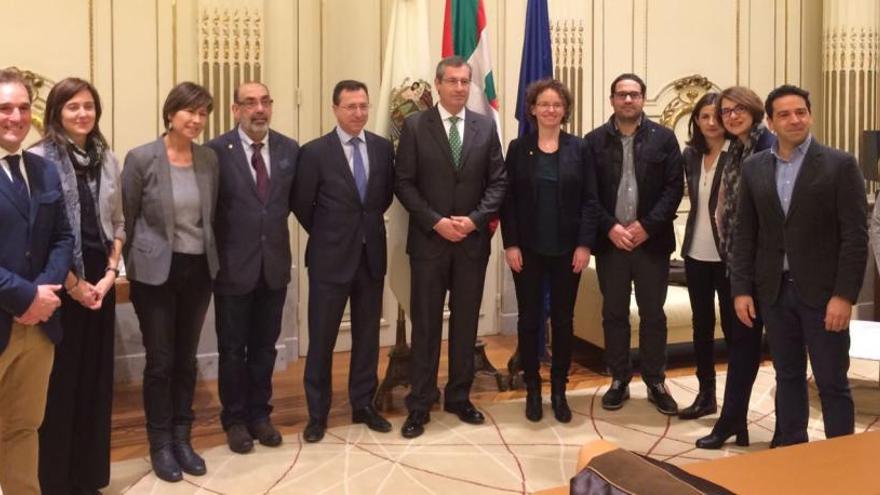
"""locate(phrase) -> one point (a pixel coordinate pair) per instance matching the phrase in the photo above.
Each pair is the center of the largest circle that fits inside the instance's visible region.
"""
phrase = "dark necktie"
(455, 141)
(358, 168)
(18, 184)
(260, 169)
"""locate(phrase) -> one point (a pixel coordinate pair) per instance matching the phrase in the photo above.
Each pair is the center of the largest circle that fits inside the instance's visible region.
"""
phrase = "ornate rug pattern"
(508, 454)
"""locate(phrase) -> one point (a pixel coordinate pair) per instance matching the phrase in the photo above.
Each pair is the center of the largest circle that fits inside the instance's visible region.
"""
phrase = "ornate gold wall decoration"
(567, 38)
(230, 53)
(688, 90)
(40, 86)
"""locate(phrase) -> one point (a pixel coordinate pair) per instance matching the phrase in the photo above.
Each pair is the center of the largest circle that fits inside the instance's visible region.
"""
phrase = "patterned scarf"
(725, 212)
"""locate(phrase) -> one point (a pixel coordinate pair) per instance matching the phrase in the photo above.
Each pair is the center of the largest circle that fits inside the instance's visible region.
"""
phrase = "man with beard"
(257, 167)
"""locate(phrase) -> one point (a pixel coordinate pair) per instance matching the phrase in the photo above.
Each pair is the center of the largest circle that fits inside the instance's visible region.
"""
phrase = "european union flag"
(537, 57)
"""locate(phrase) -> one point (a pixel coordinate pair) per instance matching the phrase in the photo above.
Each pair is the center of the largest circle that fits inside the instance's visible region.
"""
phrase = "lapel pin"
(229, 145)
(531, 152)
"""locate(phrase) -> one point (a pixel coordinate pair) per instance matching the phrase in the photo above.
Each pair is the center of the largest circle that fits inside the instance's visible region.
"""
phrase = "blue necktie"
(358, 168)
(18, 183)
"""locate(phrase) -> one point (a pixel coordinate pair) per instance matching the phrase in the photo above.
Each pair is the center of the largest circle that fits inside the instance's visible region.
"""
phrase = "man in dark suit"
(802, 242)
(257, 167)
(639, 185)
(342, 189)
(35, 255)
(451, 179)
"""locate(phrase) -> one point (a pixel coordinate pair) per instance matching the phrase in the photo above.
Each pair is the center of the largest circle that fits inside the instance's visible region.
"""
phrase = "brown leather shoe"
(238, 439)
(265, 433)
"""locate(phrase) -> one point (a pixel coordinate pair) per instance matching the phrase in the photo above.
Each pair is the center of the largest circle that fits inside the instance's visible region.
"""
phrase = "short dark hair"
(744, 96)
(60, 94)
(534, 90)
(186, 96)
(348, 85)
(785, 90)
(11, 75)
(235, 95)
(452, 61)
(628, 76)
(695, 135)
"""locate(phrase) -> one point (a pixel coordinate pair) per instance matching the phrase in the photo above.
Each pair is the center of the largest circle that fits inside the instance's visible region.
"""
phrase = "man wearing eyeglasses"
(451, 179)
(343, 187)
(257, 167)
(639, 185)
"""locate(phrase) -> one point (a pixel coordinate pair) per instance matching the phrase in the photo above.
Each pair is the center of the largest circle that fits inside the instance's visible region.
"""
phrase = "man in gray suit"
(802, 242)
(451, 178)
(257, 167)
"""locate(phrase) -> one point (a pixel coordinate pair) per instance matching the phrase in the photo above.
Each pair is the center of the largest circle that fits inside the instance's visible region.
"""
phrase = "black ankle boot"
(162, 459)
(189, 461)
(720, 435)
(559, 402)
(704, 404)
(534, 405)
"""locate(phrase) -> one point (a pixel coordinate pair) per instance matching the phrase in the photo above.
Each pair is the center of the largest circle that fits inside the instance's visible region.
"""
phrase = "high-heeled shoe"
(717, 438)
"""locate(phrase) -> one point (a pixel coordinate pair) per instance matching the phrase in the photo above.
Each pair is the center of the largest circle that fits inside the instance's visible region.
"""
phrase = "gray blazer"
(149, 210)
(109, 197)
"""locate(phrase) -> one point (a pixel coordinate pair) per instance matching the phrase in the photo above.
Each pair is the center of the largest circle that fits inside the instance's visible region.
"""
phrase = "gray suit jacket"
(148, 206)
(824, 234)
(430, 187)
(252, 238)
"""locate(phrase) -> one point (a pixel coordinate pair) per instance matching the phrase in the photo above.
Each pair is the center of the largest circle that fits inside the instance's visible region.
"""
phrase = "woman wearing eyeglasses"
(741, 112)
(548, 228)
(169, 191)
(75, 435)
(704, 158)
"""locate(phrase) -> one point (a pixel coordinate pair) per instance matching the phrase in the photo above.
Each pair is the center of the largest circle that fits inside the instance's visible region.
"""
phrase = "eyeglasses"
(455, 82)
(363, 107)
(737, 110)
(251, 103)
(623, 95)
(547, 106)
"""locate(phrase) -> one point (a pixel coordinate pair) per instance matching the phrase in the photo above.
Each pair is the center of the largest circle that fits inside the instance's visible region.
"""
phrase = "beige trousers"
(25, 366)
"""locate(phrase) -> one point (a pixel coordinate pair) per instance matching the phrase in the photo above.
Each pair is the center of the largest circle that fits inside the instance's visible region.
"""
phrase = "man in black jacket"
(638, 169)
(802, 243)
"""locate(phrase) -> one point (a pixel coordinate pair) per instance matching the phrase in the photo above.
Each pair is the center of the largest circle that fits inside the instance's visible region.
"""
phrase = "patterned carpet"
(507, 454)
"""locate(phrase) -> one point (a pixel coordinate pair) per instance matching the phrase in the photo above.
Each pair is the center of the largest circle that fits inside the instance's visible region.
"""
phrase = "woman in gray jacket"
(75, 435)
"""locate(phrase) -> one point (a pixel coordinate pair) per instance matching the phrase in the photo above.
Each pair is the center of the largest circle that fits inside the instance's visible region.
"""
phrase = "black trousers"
(463, 277)
(75, 435)
(171, 317)
(326, 306)
(248, 326)
(529, 284)
(618, 271)
(793, 326)
(704, 280)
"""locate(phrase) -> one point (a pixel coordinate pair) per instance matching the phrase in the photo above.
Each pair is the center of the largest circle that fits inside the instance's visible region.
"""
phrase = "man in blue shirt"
(802, 244)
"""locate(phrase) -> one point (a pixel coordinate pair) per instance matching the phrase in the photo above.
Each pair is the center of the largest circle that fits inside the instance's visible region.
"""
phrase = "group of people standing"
(776, 224)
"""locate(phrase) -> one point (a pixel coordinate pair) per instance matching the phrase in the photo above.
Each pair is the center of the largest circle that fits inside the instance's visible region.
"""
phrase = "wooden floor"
(128, 437)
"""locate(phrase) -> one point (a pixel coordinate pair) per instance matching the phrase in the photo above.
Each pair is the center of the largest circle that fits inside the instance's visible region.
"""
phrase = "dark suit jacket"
(824, 234)
(148, 206)
(658, 167)
(37, 245)
(576, 215)
(327, 204)
(430, 187)
(253, 239)
(693, 170)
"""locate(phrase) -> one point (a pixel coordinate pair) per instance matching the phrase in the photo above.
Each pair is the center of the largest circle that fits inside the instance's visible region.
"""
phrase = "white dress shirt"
(247, 143)
(5, 165)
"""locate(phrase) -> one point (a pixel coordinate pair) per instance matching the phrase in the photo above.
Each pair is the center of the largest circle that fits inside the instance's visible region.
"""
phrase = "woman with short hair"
(169, 191)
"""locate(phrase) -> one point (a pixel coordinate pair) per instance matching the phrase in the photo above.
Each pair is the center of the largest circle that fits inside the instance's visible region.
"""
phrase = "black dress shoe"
(370, 417)
(415, 424)
(265, 433)
(616, 395)
(187, 459)
(704, 405)
(165, 465)
(659, 396)
(239, 440)
(465, 412)
(314, 431)
(719, 436)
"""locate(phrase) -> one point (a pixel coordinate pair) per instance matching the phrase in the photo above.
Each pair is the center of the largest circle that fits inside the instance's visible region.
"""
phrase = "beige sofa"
(588, 308)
